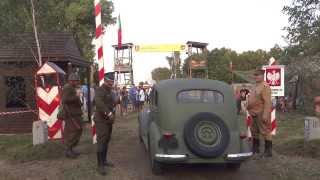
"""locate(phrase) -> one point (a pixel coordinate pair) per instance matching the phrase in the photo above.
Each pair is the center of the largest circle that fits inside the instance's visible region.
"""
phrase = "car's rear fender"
(154, 136)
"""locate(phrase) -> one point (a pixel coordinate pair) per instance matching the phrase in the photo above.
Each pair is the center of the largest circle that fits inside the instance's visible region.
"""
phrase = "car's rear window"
(200, 96)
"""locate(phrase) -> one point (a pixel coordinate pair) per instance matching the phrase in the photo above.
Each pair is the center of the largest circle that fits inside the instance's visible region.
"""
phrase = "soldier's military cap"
(73, 77)
(109, 76)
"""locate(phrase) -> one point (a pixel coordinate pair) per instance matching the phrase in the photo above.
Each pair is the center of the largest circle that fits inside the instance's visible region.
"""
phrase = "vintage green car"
(192, 121)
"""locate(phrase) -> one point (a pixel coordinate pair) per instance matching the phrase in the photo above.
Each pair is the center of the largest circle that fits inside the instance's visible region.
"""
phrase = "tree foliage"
(219, 61)
(159, 74)
(75, 16)
(304, 25)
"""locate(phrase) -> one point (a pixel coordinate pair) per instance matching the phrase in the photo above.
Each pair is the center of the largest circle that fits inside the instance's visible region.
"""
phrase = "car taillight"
(168, 136)
(168, 141)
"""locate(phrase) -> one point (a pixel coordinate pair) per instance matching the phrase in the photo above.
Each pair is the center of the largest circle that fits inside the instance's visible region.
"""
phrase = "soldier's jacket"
(71, 104)
(105, 104)
(259, 100)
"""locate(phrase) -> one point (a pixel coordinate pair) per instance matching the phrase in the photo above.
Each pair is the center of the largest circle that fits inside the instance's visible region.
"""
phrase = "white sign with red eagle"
(274, 76)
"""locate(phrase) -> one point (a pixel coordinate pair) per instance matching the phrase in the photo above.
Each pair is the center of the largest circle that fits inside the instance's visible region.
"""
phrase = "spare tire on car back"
(206, 135)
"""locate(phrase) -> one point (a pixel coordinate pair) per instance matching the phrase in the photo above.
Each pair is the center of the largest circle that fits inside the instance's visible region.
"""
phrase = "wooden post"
(36, 34)
(89, 93)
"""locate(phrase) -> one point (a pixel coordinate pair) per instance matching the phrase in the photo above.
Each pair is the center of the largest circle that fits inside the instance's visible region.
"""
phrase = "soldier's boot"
(75, 152)
(105, 160)
(255, 146)
(101, 170)
(268, 149)
(69, 154)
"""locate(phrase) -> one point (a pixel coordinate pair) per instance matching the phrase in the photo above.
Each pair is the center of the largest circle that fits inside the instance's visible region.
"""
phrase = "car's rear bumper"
(238, 156)
(180, 158)
(171, 157)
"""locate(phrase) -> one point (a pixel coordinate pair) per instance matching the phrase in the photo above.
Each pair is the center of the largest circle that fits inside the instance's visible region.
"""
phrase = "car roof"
(176, 85)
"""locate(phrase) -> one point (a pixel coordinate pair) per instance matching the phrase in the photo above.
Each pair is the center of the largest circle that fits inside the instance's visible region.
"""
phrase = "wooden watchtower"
(197, 60)
(123, 64)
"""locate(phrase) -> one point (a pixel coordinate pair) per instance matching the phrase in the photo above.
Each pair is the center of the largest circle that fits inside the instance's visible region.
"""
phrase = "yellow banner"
(160, 48)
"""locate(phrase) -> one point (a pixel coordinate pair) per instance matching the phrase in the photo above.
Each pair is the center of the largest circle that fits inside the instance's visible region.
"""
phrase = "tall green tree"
(249, 60)
(276, 51)
(304, 25)
(75, 16)
(159, 74)
(219, 62)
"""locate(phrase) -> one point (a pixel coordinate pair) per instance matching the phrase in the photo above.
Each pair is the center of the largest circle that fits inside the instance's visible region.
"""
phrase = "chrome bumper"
(171, 157)
(238, 156)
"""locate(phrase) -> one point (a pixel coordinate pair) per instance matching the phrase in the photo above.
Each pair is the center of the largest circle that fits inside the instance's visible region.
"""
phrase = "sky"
(241, 25)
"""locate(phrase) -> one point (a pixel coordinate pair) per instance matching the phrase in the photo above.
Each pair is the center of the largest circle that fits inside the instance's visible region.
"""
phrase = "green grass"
(290, 141)
(298, 147)
(289, 126)
(19, 148)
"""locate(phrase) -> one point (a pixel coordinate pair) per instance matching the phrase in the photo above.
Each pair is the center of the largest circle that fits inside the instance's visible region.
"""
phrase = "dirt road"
(132, 163)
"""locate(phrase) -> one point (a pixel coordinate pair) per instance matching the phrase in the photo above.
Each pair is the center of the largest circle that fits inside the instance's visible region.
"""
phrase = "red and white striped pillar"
(99, 40)
(272, 62)
(248, 124)
(48, 101)
(48, 98)
(99, 47)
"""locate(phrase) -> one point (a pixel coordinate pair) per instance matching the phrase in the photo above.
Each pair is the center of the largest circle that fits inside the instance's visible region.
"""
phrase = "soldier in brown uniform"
(104, 119)
(259, 107)
(71, 113)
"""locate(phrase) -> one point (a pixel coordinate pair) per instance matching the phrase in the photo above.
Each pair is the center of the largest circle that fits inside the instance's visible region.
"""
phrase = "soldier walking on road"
(259, 107)
(104, 119)
(71, 113)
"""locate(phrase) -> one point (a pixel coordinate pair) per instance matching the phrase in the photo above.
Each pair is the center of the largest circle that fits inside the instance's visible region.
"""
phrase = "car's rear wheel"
(206, 135)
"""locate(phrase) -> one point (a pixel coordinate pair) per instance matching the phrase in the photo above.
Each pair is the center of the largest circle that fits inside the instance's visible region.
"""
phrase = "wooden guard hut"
(17, 71)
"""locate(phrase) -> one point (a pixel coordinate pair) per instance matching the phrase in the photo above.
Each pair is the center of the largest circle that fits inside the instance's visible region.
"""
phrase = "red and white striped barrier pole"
(248, 124)
(99, 47)
(99, 40)
(272, 62)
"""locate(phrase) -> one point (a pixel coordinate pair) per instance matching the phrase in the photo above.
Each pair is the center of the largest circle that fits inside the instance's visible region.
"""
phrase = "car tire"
(206, 135)
(233, 166)
(156, 167)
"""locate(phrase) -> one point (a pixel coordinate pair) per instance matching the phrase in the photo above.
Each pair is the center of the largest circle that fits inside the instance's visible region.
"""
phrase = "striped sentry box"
(99, 47)
(48, 102)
